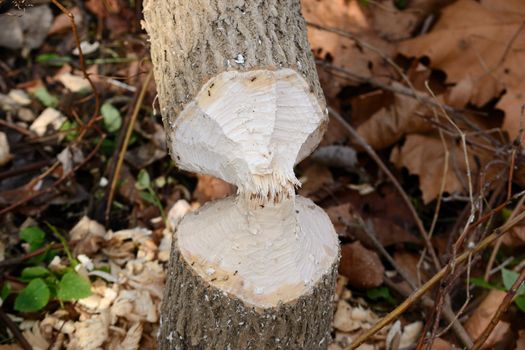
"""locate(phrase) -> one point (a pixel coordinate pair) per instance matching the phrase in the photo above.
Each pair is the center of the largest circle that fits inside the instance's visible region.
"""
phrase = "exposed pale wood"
(253, 128)
(263, 256)
(198, 312)
(200, 50)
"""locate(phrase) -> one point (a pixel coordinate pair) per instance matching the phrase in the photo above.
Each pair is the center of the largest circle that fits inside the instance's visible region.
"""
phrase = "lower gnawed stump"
(251, 278)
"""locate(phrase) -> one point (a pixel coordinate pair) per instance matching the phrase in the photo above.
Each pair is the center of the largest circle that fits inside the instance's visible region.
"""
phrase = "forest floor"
(421, 171)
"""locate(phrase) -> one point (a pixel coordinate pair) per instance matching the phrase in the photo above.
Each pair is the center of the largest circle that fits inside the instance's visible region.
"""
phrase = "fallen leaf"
(132, 339)
(425, 156)
(143, 155)
(20, 97)
(62, 23)
(440, 344)
(314, 178)
(10, 347)
(348, 318)
(103, 8)
(393, 336)
(481, 316)
(210, 188)
(26, 115)
(520, 344)
(409, 263)
(5, 154)
(7, 103)
(389, 233)
(50, 117)
(480, 46)
(393, 23)
(361, 266)
(410, 335)
(340, 215)
(87, 48)
(74, 83)
(341, 51)
(391, 123)
(25, 28)
(515, 237)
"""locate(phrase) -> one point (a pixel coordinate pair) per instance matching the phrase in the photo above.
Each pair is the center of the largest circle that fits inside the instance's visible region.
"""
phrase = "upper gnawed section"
(250, 129)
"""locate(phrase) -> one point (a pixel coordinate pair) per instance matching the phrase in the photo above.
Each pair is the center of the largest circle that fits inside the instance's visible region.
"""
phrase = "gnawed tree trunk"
(241, 101)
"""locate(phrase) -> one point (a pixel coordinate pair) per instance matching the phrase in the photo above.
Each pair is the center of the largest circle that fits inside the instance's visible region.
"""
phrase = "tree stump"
(241, 101)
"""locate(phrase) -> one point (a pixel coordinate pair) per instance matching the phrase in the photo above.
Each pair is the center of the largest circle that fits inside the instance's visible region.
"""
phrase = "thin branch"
(129, 131)
(21, 259)
(447, 311)
(71, 18)
(4, 318)
(432, 282)
(57, 183)
(509, 297)
(368, 149)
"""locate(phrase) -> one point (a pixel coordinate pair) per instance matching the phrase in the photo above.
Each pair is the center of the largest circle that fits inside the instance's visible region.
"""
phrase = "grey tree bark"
(193, 41)
(196, 315)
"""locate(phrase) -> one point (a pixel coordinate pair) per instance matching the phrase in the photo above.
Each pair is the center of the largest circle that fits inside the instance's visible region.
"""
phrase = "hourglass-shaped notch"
(250, 129)
(241, 100)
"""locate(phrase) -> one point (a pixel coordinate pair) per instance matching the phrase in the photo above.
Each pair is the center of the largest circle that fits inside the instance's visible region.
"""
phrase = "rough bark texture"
(199, 316)
(193, 41)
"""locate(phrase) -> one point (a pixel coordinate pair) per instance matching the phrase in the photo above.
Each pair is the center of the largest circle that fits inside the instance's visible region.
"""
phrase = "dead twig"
(27, 256)
(426, 301)
(509, 297)
(497, 246)
(82, 62)
(6, 320)
(435, 279)
(57, 183)
(368, 149)
(123, 149)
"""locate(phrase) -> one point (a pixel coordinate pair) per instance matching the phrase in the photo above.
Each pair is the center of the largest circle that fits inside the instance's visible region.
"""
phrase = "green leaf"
(69, 127)
(111, 116)
(506, 213)
(5, 291)
(33, 272)
(148, 197)
(72, 286)
(52, 59)
(34, 236)
(480, 282)
(45, 97)
(143, 180)
(380, 293)
(509, 277)
(520, 302)
(33, 297)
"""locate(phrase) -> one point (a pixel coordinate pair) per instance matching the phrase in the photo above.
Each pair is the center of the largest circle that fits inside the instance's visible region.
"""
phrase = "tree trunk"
(241, 100)
(198, 315)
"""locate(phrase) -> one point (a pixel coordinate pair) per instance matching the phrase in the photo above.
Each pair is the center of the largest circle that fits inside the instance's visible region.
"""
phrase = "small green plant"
(44, 285)
(381, 293)
(45, 97)
(70, 129)
(111, 117)
(53, 59)
(508, 278)
(144, 185)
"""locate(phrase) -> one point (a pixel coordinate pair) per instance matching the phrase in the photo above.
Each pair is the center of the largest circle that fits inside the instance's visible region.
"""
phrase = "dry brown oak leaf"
(341, 51)
(481, 48)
